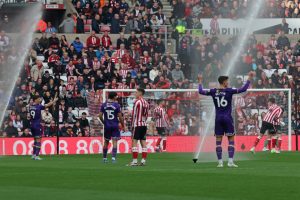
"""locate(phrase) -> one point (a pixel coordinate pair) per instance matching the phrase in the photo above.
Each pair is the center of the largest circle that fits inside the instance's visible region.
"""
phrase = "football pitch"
(167, 176)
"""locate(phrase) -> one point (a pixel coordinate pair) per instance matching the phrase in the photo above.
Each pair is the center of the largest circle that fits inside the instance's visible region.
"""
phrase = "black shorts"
(266, 126)
(278, 128)
(161, 131)
(139, 132)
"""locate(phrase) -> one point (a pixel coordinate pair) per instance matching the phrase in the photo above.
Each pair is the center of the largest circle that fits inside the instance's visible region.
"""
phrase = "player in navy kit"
(110, 115)
(35, 124)
(222, 98)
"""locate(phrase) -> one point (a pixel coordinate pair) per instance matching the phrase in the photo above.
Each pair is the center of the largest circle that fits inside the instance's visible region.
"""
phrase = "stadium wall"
(93, 145)
(261, 26)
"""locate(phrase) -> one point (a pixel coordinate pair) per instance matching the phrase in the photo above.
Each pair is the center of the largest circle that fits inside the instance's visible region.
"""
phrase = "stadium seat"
(76, 113)
(50, 71)
(87, 28)
(64, 78)
(89, 22)
(45, 64)
(82, 111)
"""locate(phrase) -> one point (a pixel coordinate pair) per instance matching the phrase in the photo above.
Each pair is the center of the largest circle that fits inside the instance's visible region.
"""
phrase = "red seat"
(87, 28)
(89, 21)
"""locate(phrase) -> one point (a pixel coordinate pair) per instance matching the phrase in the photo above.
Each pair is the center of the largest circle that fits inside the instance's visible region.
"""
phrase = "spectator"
(50, 28)
(26, 133)
(159, 47)
(96, 22)
(284, 26)
(4, 24)
(84, 123)
(18, 123)
(47, 119)
(177, 74)
(296, 50)
(44, 42)
(4, 41)
(105, 40)
(178, 10)
(10, 130)
(153, 73)
(37, 70)
(80, 23)
(115, 25)
(77, 44)
(69, 116)
(283, 41)
(68, 24)
(214, 26)
(77, 130)
(53, 41)
(93, 41)
(122, 40)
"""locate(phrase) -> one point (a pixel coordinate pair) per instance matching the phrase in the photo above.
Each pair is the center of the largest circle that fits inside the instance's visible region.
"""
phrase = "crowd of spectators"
(115, 16)
(75, 69)
(234, 9)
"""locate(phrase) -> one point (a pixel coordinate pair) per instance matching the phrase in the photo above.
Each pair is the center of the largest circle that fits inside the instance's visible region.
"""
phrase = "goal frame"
(196, 90)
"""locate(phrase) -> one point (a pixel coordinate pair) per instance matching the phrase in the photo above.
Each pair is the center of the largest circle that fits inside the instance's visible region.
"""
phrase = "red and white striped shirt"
(120, 53)
(273, 114)
(123, 73)
(140, 112)
(183, 129)
(161, 117)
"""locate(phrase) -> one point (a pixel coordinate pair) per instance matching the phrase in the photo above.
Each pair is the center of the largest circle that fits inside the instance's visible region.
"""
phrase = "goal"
(193, 114)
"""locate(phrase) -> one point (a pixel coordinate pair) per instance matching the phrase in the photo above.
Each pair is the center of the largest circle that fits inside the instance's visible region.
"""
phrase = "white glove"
(282, 124)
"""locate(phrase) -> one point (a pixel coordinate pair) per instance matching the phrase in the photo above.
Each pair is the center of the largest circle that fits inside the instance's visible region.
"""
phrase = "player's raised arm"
(246, 85)
(51, 102)
(200, 89)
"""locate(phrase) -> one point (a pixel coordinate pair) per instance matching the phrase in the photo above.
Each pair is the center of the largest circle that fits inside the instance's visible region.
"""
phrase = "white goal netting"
(192, 114)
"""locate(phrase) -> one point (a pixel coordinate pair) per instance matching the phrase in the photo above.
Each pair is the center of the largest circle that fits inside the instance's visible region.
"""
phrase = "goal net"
(191, 114)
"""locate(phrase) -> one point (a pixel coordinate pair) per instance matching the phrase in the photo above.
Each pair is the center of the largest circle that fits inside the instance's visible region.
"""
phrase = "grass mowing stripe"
(168, 176)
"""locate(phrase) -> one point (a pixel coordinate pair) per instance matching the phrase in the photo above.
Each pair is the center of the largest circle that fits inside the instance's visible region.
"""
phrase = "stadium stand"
(78, 68)
(236, 9)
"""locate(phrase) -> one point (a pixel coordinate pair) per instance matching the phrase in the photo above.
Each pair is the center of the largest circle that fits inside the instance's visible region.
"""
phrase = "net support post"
(289, 120)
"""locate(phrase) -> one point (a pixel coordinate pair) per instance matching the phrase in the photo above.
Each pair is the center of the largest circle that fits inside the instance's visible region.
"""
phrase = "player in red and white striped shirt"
(139, 125)
(277, 140)
(269, 122)
(162, 123)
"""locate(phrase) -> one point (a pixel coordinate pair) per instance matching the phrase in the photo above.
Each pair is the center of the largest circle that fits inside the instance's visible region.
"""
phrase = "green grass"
(167, 176)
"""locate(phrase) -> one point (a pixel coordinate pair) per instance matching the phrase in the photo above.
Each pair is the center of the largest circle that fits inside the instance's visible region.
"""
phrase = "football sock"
(164, 144)
(134, 154)
(257, 141)
(269, 143)
(273, 143)
(144, 153)
(105, 152)
(231, 149)
(34, 148)
(219, 150)
(38, 148)
(114, 152)
(158, 142)
(279, 144)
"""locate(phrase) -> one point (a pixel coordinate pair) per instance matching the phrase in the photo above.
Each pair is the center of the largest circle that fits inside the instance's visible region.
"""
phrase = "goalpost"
(190, 107)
